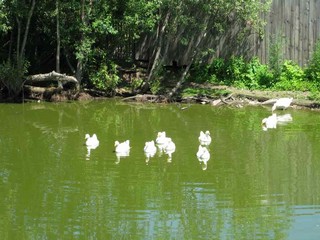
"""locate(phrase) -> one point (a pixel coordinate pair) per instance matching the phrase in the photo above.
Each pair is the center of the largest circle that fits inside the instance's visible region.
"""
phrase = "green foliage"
(250, 75)
(315, 94)
(136, 83)
(4, 23)
(313, 70)
(260, 74)
(276, 54)
(211, 73)
(155, 86)
(236, 71)
(12, 77)
(187, 92)
(106, 78)
(291, 78)
(235, 68)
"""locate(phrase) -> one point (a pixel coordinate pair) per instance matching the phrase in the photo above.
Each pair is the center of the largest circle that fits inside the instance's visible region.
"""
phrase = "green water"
(257, 184)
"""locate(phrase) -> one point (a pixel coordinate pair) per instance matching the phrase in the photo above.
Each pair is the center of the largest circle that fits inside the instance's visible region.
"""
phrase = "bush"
(106, 78)
(291, 78)
(251, 75)
(12, 77)
(235, 68)
(313, 70)
(211, 73)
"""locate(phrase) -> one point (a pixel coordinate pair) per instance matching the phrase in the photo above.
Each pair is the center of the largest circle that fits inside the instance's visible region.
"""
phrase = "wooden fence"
(292, 25)
(295, 25)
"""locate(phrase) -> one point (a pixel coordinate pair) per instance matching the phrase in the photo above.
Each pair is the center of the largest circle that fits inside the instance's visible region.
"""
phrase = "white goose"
(161, 138)
(123, 147)
(205, 138)
(92, 142)
(282, 103)
(150, 148)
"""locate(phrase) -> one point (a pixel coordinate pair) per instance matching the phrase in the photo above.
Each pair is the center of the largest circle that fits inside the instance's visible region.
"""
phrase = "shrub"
(106, 78)
(313, 70)
(291, 78)
(155, 86)
(276, 53)
(12, 77)
(251, 75)
(235, 67)
(216, 71)
(211, 73)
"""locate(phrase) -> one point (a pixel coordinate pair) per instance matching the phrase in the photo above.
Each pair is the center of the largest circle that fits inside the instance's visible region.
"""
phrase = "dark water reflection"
(257, 184)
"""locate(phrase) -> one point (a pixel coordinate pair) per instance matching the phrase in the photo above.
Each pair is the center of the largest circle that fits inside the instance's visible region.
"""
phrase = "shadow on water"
(257, 184)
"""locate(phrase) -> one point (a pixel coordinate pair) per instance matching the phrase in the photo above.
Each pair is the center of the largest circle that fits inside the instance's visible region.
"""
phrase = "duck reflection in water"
(203, 156)
(161, 142)
(122, 150)
(272, 121)
(169, 148)
(150, 150)
(91, 143)
(120, 155)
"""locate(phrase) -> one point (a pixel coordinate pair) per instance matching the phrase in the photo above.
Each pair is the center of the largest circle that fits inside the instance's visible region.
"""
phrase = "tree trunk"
(58, 39)
(159, 47)
(25, 37)
(80, 60)
(79, 72)
(58, 43)
(18, 37)
(195, 52)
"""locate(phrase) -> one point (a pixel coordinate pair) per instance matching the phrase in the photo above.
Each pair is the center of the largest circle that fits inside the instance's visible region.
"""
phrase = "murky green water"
(257, 184)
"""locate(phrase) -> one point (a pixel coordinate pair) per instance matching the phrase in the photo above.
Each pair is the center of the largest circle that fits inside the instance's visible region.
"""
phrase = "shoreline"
(223, 95)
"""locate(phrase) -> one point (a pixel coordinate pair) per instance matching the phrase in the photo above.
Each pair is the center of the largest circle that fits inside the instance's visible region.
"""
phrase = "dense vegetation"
(95, 40)
(285, 76)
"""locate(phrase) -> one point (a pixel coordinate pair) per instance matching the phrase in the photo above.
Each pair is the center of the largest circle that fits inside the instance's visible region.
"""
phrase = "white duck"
(205, 138)
(150, 147)
(203, 156)
(123, 147)
(150, 150)
(161, 138)
(269, 122)
(169, 148)
(92, 142)
(282, 103)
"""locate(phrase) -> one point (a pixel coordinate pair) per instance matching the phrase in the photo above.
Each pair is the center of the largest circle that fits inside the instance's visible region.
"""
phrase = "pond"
(256, 185)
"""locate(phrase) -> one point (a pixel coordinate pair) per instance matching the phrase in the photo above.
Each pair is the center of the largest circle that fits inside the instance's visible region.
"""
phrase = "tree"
(14, 69)
(193, 24)
(4, 25)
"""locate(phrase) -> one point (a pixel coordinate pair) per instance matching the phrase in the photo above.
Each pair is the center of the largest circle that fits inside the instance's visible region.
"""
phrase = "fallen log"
(35, 89)
(224, 99)
(51, 77)
(146, 98)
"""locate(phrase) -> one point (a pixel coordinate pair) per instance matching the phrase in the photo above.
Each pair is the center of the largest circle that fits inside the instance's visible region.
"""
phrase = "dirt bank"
(238, 97)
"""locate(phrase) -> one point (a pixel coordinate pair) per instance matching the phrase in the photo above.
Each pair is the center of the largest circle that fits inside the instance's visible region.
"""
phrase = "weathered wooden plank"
(297, 22)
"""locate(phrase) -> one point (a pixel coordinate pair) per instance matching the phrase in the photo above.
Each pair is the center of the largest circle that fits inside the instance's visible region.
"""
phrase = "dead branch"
(52, 76)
